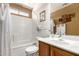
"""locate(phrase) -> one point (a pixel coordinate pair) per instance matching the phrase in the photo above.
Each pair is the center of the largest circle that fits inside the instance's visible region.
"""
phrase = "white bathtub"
(20, 49)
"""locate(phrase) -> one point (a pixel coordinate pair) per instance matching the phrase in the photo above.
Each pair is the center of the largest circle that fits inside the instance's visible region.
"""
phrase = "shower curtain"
(5, 42)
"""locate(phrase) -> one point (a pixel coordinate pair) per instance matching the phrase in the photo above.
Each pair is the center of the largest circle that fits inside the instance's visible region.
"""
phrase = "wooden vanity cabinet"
(52, 53)
(59, 52)
(48, 50)
(43, 49)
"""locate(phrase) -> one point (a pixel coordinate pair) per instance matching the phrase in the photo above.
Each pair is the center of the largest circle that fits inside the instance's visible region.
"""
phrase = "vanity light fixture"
(66, 18)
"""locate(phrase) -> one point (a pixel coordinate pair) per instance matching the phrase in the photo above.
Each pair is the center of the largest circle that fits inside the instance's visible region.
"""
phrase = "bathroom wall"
(36, 19)
(21, 34)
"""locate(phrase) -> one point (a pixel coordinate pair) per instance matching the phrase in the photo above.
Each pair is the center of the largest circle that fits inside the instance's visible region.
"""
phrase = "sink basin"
(56, 39)
(66, 41)
(63, 40)
(72, 42)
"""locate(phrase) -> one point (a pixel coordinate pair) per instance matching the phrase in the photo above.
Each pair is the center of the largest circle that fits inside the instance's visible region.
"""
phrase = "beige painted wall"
(72, 27)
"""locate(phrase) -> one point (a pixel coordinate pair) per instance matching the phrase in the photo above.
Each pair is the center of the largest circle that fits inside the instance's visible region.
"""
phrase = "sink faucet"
(60, 33)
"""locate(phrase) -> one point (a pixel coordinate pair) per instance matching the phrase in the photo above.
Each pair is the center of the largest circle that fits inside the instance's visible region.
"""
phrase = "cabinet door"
(51, 51)
(60, 52)
(43, 49)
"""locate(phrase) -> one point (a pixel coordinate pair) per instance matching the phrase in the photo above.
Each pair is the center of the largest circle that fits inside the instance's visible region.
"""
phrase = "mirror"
(71, 27)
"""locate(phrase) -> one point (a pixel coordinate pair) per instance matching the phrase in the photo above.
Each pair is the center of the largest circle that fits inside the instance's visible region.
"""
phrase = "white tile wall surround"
(43, 25)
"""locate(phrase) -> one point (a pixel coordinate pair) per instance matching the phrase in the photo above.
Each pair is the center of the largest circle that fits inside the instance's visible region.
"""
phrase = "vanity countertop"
(74, 47)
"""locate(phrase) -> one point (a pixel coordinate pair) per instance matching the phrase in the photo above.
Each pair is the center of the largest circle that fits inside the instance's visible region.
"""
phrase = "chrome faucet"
(60, 34)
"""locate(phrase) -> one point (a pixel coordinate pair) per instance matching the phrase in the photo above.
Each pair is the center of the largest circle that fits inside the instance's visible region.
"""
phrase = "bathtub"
(19, 50)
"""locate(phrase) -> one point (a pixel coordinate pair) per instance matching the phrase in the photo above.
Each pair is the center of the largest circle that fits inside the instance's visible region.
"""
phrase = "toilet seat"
(31, 49)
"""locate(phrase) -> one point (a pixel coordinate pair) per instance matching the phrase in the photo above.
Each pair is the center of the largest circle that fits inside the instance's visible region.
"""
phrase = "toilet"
(31, 50)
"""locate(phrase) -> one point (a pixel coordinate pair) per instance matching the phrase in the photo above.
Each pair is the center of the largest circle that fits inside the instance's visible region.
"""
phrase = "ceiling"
(33, 4)
(30, 5)
(54, 6)
(57, 6)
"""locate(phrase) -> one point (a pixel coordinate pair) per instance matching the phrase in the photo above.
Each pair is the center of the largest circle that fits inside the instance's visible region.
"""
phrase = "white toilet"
(31, 50)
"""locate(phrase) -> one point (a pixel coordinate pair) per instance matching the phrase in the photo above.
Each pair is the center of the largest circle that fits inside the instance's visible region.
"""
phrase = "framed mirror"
(70, 18)
(43, 16)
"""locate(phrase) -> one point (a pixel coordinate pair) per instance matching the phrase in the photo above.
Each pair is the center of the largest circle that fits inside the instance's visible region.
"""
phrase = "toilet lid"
(31, 49)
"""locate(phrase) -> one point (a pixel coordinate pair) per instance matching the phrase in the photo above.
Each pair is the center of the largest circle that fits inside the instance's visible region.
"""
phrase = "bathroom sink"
(61, 40)
(65, 41)
(72, 42)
